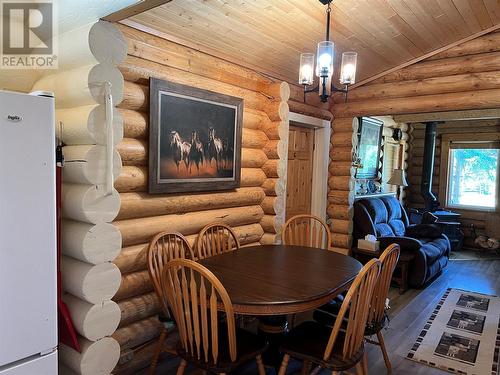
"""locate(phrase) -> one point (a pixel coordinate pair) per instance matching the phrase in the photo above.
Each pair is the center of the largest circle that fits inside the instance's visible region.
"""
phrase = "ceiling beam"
(475, 114)
(426, 56)
(135, 9)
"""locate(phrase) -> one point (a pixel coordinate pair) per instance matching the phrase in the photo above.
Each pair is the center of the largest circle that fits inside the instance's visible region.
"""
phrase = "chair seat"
(248, 344)
(326, 315)
(308, 342)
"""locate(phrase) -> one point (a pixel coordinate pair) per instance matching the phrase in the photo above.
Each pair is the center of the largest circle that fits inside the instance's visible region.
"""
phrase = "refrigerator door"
(44, 365)
(28, 306)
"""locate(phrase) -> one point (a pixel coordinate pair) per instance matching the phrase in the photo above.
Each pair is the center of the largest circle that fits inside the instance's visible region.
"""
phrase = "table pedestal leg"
(273, 329)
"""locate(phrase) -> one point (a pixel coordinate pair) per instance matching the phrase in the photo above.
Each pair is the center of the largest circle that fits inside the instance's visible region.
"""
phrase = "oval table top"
(282, 279)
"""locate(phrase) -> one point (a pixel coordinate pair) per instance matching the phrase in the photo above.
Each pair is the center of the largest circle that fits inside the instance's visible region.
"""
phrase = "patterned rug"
(462, 335)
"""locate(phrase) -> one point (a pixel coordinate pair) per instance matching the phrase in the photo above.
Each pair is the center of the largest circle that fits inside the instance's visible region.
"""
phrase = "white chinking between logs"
(89, 203)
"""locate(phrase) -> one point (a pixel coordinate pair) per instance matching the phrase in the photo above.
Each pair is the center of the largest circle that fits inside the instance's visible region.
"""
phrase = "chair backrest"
(163, 248)
(389, 260)
(306, 230)
(215, 239)
(193, 292)
(356, 304)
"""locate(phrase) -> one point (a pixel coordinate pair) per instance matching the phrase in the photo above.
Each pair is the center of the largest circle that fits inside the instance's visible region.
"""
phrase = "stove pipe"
(431, 202)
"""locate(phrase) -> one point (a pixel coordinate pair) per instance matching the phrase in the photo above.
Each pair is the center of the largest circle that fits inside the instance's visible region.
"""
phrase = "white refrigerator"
(28, 278)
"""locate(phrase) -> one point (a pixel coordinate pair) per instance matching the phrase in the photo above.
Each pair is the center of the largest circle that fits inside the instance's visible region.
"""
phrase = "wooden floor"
(408, 314)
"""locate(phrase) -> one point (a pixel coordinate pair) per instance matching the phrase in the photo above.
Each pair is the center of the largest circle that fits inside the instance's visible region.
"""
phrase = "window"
(473, 175)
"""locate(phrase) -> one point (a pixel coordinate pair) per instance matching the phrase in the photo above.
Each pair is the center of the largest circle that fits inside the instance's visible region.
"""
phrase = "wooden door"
(299, 176)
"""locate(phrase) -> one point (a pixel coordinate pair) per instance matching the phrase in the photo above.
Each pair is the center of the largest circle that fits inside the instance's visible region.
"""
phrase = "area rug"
(462, 335)
(468, 254)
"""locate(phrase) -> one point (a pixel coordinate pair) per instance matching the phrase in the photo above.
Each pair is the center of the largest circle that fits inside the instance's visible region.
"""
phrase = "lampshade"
(324, 59)
(306, 69)
(398, 178)
(348, 68)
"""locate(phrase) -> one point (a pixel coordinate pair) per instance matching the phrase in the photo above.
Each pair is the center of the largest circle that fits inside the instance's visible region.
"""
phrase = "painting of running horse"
(195, 139)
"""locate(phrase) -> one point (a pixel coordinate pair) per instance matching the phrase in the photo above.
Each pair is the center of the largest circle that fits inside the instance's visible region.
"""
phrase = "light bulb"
(306, 73)
(324, 60)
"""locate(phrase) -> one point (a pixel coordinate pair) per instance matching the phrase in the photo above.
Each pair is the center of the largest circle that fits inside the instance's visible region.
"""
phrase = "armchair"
(386, 219)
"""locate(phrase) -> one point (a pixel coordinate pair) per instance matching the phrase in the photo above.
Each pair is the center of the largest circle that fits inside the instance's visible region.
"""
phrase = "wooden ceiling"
(269, 35)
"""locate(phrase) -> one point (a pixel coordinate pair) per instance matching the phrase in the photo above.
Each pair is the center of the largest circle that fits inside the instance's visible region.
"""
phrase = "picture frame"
(194, 139)
(369, 146)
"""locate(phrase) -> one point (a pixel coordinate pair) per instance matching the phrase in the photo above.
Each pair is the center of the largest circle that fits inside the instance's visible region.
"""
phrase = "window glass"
(473, 177)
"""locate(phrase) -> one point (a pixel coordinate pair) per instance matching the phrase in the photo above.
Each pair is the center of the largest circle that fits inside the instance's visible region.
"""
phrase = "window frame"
(444, 172)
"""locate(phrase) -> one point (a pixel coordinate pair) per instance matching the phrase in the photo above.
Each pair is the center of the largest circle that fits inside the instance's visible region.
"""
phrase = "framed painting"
(194, 139)
(369, 144)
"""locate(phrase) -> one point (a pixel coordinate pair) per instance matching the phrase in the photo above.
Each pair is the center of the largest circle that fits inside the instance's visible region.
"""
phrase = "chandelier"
(324, 66)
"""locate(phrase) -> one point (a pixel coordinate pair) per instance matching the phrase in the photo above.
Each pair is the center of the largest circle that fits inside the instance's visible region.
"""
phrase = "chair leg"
(384, 352)
(306, 368)
(364, 362)
(156, 355)
(359, 368)
(260, 365)
(284, 364)
(182, 367)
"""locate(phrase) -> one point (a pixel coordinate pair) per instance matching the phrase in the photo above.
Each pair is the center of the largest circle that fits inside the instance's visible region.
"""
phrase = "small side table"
(400, 276)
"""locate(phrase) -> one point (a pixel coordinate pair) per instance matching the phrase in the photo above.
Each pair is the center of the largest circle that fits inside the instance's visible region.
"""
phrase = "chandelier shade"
(306, 71)
(348, 68)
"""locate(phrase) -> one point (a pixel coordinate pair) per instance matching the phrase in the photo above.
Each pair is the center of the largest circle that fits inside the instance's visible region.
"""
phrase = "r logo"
(27, 28)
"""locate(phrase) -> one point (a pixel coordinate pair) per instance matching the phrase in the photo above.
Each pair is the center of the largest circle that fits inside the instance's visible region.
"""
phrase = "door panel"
(299, 176)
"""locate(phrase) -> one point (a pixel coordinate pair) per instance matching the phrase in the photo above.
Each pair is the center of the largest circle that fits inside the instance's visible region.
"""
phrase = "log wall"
(417, 133)
(255, 210)
(464, 77)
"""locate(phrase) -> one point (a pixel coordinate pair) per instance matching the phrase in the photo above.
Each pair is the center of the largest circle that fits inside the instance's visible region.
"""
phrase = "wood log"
(87, 164)
(271, 128)
(137, 231)
(83, 85)
(271, 149)
(107, 43)
(309, 110)
(135, 97)
(427, 103)
(268, 239)
(252, 177)
(268, 205)
(86, 125)
(270, 168)
(268, 223)
(89, 204)
(137, 333)
(132, 179)
(279, 91)
(133, 151)
(341, 240)
(342, 226)
(252, 158)
(345, 183)
(254, 119)
(269, 186)
(342, 212)
(93, 321)
(484, 62)
(96, 357)
(134, 258)
(276, 111)
(90, 243)
(135, 69)
(428, 86)
(342, 197)
(486, 43)
(344, 125)
(419, 152)
(92, 283)
(341, 168)
(341, 154)
(134, 284)
(135, 124)
(138, 308)
(252, 138)
(135, 205)
(344, 139)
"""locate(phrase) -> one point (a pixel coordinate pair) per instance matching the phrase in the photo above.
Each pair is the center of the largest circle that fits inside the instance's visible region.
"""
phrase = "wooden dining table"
(282, 279)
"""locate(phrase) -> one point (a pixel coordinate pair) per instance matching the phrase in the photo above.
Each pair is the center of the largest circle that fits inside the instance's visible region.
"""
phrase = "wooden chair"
(215, 239)
(163, 248)
(306, 230)
(194, 293)
(341, 347)
(376, 313)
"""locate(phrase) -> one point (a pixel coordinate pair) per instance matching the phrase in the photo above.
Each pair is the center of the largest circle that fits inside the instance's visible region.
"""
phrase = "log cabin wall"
(255, 210)
(469, 217)
(463, 77)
